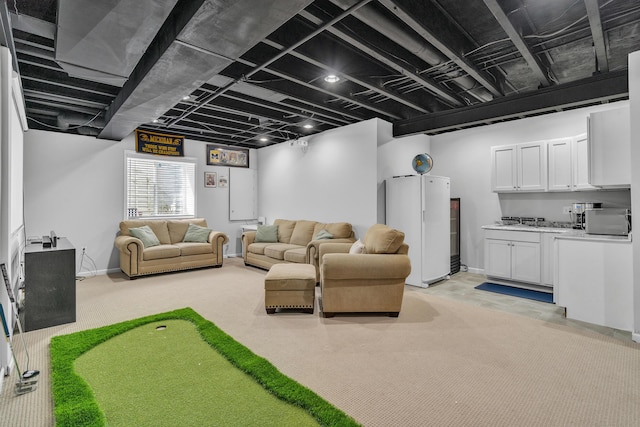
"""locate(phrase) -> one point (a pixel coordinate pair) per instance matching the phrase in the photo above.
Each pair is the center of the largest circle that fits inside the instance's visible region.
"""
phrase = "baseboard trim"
(635, 336)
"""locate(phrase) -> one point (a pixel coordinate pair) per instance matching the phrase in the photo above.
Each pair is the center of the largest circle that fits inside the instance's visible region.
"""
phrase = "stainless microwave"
(610, 221)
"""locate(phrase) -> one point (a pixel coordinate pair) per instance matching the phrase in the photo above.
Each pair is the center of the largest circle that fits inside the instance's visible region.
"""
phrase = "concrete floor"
(462, 285)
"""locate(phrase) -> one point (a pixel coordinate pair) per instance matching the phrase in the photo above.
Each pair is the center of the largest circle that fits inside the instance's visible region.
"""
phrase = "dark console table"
(49, 285)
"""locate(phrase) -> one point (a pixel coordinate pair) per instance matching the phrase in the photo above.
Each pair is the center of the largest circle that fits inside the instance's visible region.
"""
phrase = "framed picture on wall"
(220, 155)
(211, 179)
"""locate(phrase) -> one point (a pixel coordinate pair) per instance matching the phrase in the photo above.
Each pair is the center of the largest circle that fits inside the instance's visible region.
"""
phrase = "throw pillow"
(146, 234)
(267, 234)
(322, 235)
(196, 233)
(357, 247)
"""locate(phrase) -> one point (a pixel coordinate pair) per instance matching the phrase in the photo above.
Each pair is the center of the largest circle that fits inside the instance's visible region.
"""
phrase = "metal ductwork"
(104, 41)
(159, 51)
(419, 47)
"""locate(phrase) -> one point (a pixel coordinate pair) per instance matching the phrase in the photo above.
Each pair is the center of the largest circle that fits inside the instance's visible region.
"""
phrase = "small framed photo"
(211, 179)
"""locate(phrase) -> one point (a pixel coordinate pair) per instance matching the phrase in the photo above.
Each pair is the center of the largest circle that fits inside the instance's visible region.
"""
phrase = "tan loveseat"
(172, 254)
(295, 243)
(370, 280)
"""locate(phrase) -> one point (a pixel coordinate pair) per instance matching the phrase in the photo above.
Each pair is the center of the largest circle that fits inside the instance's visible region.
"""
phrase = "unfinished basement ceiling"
(235, 72)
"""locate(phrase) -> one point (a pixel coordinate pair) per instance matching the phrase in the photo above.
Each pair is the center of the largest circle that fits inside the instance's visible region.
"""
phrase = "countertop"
(562, 232)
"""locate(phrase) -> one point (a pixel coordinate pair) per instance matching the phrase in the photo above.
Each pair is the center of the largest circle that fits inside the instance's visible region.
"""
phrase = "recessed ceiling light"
(331, 78)
(156, 120)
(264, 139)
(186, 97)
(308, 126)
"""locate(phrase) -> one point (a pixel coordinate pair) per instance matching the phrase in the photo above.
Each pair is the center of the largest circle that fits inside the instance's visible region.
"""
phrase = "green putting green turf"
(139, 373)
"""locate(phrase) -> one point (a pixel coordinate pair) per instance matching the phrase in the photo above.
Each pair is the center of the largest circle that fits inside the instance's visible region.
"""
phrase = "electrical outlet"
(566, 210)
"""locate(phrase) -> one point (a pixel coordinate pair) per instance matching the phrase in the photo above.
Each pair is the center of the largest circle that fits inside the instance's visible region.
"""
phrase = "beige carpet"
(440, 363)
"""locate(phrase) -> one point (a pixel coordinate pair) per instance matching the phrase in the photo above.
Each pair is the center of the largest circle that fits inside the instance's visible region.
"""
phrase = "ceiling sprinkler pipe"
(419, 47)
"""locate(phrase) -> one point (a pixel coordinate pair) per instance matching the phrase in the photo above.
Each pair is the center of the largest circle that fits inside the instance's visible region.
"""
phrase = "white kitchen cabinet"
(503, 168)
(594, 281)
(580, 154)
(568, 164)
(519, 167)
(560, 164)
(548, 258)
(513, 255)
(610, 148)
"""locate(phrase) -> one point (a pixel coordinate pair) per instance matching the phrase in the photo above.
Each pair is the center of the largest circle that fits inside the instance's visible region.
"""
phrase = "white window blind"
(159, 188)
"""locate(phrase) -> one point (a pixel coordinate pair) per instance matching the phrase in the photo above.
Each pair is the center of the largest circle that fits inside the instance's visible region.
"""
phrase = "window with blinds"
(159, 188)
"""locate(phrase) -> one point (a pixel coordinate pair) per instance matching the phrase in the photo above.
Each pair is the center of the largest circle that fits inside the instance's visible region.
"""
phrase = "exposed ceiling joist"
(540, 71)
(599, 88)
(593, 11)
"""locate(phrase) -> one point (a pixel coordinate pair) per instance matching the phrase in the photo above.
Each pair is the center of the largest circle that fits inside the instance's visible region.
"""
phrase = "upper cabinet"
(560, 164)
(569, 164)
(519, 167)
(610, 148)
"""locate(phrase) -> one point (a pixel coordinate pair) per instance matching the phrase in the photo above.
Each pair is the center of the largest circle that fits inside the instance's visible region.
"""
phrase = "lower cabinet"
(594, 281)
(513, 255)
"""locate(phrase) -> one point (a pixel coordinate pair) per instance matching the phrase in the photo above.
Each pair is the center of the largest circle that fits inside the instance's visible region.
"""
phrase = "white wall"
(74, 185)
(333, 181)
(634, 99)
(13, 123)
(465, 157)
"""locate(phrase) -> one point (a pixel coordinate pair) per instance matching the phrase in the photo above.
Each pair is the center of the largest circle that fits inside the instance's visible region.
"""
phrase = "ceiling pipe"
(67, 121)
(419, 47)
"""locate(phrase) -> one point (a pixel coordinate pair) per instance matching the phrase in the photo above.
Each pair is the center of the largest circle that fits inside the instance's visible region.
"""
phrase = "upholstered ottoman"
(290, 286)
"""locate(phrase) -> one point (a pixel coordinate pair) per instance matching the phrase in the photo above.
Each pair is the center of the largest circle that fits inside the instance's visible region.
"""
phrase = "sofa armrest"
(248, 238)
(313, 248)
(129, 245)
(341, 266)
(218, 238)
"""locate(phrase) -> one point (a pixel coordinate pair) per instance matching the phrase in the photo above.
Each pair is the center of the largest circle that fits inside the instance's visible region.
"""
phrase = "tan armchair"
(369, 282)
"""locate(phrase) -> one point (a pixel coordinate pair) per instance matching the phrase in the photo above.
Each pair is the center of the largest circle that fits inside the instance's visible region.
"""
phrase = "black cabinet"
(49, 285)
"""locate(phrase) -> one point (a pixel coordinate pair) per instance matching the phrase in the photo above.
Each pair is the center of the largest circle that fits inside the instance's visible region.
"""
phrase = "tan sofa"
(295, 243)
(368, 282)
(172, 254)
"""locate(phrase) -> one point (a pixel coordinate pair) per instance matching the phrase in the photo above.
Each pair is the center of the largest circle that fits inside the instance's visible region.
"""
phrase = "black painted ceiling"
(255, 69)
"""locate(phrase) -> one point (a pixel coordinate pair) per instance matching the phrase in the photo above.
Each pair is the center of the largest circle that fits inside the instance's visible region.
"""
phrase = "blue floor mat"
(516, 292)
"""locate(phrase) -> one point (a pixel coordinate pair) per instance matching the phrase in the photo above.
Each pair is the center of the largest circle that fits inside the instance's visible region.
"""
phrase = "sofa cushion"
(258, 248)
(192, 248)
(178, 227)
(277, 250)
(298, 255)
(382, 239)
(302, 232)
(339, 230)
(158, 226)
(160, 252)
(197, 234)
(146, 235)
(285, 228)
(266, 234)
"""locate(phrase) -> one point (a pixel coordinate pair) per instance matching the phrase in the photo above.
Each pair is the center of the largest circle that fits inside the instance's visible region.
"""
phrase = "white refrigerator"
(419, 206)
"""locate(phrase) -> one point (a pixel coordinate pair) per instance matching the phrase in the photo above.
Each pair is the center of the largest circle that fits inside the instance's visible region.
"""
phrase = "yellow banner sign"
(159, 143)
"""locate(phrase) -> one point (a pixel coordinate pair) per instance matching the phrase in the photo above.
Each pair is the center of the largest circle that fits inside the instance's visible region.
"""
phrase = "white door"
(503, 168)
(560, 159)
(497, 258)
(532, 166)
(525, 262)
